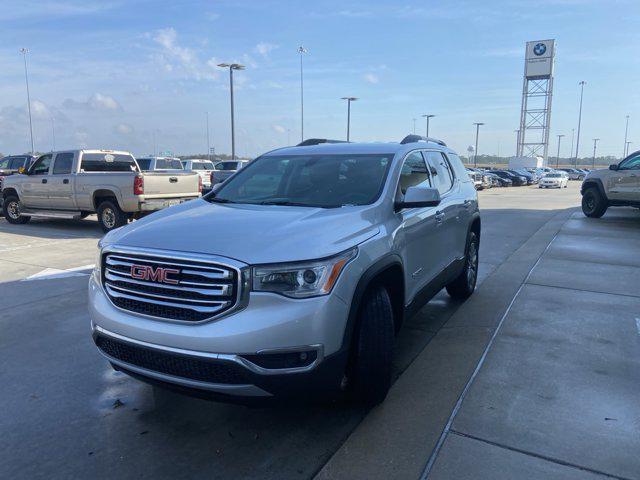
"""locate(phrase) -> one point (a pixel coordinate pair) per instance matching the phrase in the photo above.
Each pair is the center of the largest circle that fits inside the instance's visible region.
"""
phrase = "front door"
(420, 237)
(61, 182)
(624, 184)
(35, 189)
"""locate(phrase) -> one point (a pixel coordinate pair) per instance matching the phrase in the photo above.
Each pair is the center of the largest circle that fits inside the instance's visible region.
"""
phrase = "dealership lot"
(556, 390)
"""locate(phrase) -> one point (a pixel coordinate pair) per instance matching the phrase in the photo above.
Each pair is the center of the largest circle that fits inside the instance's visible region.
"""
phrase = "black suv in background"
(518, 180)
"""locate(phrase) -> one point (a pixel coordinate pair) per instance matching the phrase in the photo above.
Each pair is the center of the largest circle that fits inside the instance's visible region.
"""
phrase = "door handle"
(66, 180)
(173, 179)
(44, 180)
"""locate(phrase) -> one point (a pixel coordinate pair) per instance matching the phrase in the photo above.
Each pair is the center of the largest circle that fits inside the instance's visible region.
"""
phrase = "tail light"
(138, 185)
(199, 183)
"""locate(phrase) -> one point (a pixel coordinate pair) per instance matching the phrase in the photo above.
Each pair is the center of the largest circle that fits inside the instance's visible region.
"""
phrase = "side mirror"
(613, 167)
(419, 197)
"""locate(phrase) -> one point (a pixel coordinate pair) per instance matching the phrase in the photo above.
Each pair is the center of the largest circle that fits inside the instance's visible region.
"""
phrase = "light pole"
(24, 52)
(301, 51)
(475, 156)
(558, 157)
(595, 142)
(208, 144)
(626, 130)
(53, 133)
(582, 83)
(573, 137)
(349, 100)
(414, 126)
(428, 116)
(628, 143)
(232, 67)
(154, 143)
(517, 132)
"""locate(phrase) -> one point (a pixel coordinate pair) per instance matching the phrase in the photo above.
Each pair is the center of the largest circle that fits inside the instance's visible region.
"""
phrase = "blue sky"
(111, 73)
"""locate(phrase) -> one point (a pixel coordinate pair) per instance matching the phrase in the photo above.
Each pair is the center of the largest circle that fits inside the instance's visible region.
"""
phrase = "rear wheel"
(593, 204)
(11, 209)
(465, 284)
(373, 350)
(111, 216)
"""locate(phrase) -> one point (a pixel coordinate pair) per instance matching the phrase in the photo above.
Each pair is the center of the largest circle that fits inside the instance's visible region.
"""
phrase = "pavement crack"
(537, 455)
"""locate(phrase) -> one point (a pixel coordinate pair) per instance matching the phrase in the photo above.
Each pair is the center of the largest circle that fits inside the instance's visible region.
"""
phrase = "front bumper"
(269, 325)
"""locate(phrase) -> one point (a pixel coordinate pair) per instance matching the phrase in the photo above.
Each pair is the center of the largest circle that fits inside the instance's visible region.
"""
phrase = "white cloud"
(279, 128)
(264, 48)
(371, 78)
(123, 129)
(184, 61)
(96, 102)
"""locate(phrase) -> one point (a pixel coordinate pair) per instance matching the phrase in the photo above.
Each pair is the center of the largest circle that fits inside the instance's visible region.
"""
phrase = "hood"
(250, 233)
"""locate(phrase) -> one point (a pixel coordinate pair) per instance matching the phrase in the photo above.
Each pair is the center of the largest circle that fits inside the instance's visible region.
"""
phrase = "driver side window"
(632, 163)
(414, 172)
(41, 167)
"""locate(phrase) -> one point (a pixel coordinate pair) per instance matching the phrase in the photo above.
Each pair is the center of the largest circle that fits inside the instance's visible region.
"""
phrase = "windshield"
(553, 175)
(4, 163)
(227, 166)
(308, 180)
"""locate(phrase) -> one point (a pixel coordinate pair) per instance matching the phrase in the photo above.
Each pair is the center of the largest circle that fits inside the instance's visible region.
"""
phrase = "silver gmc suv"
(293, 276)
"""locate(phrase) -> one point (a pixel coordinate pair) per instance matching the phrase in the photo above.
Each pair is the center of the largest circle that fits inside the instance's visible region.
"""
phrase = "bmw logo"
(539, 49)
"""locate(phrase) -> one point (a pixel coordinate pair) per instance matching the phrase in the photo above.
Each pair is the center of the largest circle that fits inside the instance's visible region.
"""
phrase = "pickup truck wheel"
(593, 205)
(373, 352)
(11, 210)
(110, 216)
(465, 283)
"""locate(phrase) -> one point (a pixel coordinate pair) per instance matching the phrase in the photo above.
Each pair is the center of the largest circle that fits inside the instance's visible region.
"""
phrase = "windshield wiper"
(285, 203)
(219, 200)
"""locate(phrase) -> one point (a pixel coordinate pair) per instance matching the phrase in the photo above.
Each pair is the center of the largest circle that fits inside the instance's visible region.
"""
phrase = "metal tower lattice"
(535, 117)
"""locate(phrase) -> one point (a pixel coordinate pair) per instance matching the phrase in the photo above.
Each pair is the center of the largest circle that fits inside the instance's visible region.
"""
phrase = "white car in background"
(225, 169)
(202, 168)
(556, 179)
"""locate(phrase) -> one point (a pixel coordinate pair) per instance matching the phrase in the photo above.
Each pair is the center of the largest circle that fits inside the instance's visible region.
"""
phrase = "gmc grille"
(196, 291)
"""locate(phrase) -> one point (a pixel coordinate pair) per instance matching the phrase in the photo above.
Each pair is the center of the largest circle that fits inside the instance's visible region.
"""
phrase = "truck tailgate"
(170, 184)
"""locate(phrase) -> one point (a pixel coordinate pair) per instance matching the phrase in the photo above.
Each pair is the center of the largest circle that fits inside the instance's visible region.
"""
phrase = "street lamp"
(414, 126)
(428, 116)
(24, 52)
(475, 156)
(626, 130)
(595, 142)
(582, 83)
(53, 132)
(232, 67)
(517, 132)
(628, 143)
(558, 157)
(349, 100)
(301, 51)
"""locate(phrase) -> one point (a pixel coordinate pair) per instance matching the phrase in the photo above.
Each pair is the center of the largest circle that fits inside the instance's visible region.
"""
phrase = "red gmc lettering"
(148, 273)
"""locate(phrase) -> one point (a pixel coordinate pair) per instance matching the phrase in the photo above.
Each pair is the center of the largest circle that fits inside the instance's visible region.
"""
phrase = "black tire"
(465, 283)
(373, 350)
(593, 204)
(11, 210)
(110, 216)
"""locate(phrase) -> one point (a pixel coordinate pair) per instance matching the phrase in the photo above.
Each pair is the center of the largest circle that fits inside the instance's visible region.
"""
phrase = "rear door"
(624, 184)
(61, 182)
(35, 188)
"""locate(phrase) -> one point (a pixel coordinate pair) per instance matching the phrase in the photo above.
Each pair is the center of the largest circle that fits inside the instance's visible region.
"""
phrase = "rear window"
(168, 164)
(227, 166)
(144, 163)
(107, 162)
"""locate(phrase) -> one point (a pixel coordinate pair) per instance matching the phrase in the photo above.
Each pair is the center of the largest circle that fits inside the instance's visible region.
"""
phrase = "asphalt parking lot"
(536, 376)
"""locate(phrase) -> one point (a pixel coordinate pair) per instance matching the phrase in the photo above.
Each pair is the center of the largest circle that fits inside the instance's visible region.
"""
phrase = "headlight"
(301, 279)
(97, 267)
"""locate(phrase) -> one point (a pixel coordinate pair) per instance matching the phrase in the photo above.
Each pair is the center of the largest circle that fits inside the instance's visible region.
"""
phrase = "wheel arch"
(10, 191)
(102, 194)
(593, 183)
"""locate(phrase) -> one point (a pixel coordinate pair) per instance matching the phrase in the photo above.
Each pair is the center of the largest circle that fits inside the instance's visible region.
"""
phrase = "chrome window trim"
(228, 357)
(242, 284)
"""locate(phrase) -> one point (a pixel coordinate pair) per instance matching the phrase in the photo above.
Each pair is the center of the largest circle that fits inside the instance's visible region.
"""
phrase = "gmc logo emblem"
(159, 274)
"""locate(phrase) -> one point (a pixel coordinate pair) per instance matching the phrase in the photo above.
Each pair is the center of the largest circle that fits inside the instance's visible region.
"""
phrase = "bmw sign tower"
(537, 92)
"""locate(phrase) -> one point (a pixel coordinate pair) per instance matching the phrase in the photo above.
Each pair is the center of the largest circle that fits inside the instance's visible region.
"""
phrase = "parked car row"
(544, 177)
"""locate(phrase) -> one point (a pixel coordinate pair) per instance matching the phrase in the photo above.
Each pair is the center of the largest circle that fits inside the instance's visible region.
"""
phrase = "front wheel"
(373, 351)
(465, 283)
(11, 209)
(593, 204)
(111, 216)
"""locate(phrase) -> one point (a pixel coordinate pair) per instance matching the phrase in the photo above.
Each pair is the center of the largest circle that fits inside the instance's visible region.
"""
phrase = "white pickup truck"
(77, 183)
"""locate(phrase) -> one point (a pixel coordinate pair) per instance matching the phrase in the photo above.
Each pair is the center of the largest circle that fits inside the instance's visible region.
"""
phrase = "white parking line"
(51, 273)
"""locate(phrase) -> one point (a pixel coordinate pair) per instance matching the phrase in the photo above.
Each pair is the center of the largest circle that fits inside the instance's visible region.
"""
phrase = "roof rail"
(419, 138)
(317, 141)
